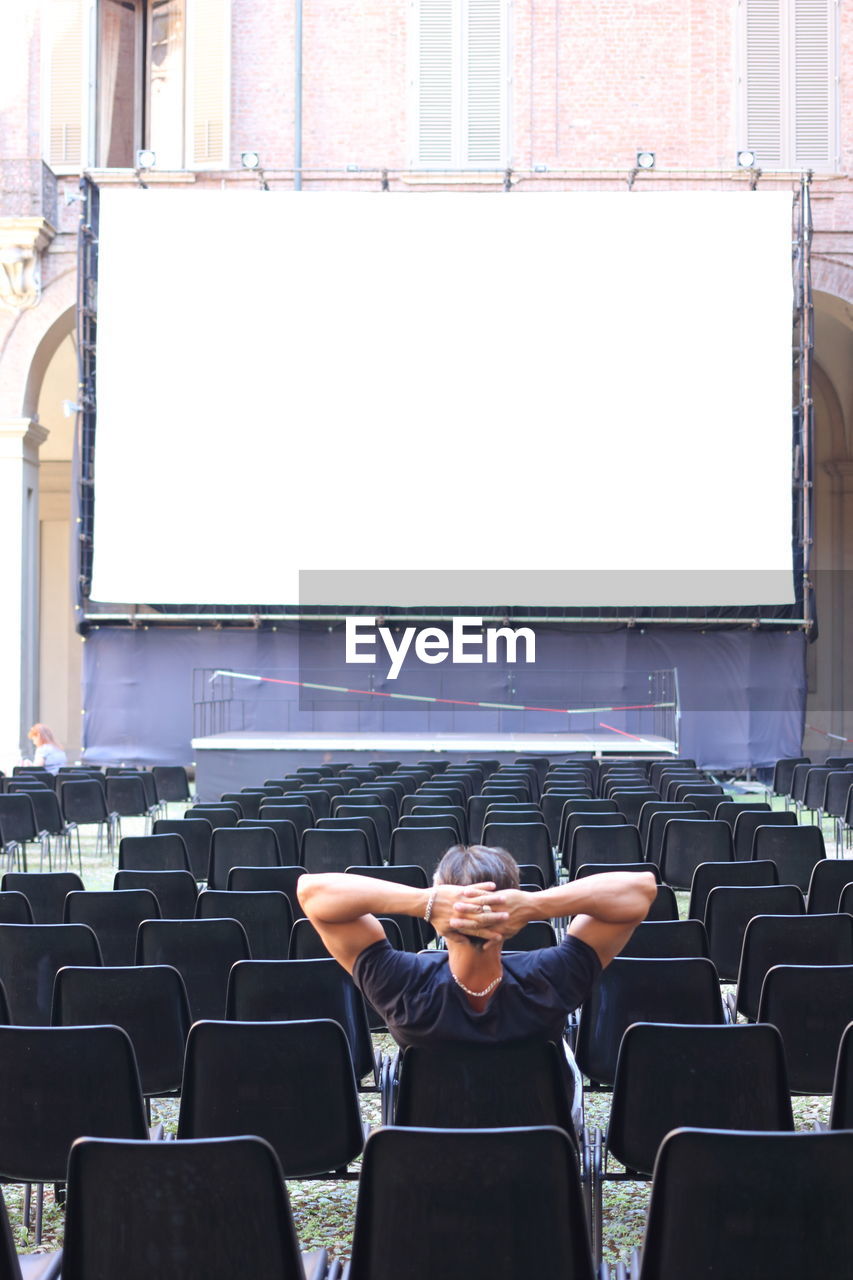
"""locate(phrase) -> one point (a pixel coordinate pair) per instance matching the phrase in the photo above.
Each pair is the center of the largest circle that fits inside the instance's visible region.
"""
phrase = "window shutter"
(764, 80)
(208, 83)
(485, 75)
(813, 82)
(65, 47)
(435, 82)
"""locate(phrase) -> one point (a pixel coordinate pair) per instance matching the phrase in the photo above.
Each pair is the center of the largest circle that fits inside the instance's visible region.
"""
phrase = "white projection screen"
(582, 399)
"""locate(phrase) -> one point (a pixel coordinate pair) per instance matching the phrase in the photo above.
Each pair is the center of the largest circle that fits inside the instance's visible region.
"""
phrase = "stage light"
(746, 159)
(146, 159)
(645, 159)
(250, 160)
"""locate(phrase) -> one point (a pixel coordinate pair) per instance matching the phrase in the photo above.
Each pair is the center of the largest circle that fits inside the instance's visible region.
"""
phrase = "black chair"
(415, 1206)
(306, 943)
(325, 849)
(214, 1207)
(127, 798)
(746, 824)
(266, 879)
(30, 955)
(572, 821)
(658, 823)
(264, 914)
(442, 815)
(841, 1113)
(735, 1204)
(149, 1002)
(45, 891)
(368, 826)
(202, 951)
(347, 807)
(814, 792)
(240, 847)
(414, 847)
(415, 932)
(114, 918)
(683, 991)
(284, 810)
(603, 844)
(651, 807)
(53, 831)
(666, 940)
(665, 905)
(249, 801)
(729, 909)
(81, 1080)
(783, 776)
(196, 834)
(630, 803)
(600, 868)
(838, 785)
(810, 1005)
(798, 784)
(15, 908)
(297, 990)
(18, 828)
(172, 783)
(682, 789)
(160, 852)
(175, 891)
(528, 842)
(795, 850)
(84, 803)
(729, 810)
(786, 940)
(285, 832)
(713, 875)
(686, 845)
(291, 1083)
(222, 815)
(710, 1077)
(828, 879)
(533, 937)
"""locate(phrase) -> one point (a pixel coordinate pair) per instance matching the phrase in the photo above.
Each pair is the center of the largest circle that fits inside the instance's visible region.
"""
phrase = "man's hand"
(480, 913)
(450, 911)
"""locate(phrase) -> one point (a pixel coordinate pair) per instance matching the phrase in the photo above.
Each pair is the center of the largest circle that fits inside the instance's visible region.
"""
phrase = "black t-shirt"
(423, 1005)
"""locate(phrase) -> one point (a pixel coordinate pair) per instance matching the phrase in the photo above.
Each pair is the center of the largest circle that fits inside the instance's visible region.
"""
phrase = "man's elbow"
(305, 890)
(647, 892)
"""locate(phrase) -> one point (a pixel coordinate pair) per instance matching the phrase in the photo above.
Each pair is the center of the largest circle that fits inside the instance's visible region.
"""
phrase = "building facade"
(403, 96)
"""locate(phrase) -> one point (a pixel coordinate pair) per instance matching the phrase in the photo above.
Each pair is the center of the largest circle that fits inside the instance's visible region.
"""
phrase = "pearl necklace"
(478, 995)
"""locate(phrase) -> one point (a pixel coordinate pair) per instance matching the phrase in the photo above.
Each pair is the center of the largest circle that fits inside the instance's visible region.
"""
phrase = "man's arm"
(343, 909)
(606, 909)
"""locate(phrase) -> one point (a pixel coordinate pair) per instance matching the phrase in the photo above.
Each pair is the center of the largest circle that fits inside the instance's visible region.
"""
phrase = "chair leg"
(39, 1210)
(27, 1205)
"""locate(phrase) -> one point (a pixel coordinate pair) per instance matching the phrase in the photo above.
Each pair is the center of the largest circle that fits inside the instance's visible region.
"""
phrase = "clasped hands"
(480, 911)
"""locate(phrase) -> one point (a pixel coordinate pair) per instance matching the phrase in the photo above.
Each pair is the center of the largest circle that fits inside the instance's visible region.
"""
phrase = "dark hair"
(474, 863)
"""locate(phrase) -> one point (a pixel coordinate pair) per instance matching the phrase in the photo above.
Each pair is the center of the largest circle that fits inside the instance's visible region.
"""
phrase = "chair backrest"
(533, 937)
(658, 823)
(597, 868)
(249, 801)
(223, 815)
(202, 951)
(81, 801)
(196, 834)
(175, 891)
(347, 807)
(606, 843)
(631, 802)
(746, 823)
(651, 807)
(729, 909)
(240, 847)
(30, 955)
(463, 1086)
(443, 815)
(666, 940)
(325, 849)
(15, 907)
(172, 782)
(82, 1080)
(415, 1204)
(629, 991)
(838, 784)
(795, 850)
(160, 852)
(285, 832)
(263, 879)
(293, 990)
(665, 904)
(783, 774)
(710, 1183)
(827, 880)
(291, 1083)
(114, 917)
(811, 1005)
(45, 891)
(48, 814)
(711, 875)
(528, 842)
(686, 845)
(799, 940)
(841, 1113)
(306, 943)
(368, 826)
(710, 1077)
(17, 819)
(815, 788)
(288, 809)
(217, 1207)
(264, 914)
(421, 847)
(126, 796)
(149, 1002)
(729, 810)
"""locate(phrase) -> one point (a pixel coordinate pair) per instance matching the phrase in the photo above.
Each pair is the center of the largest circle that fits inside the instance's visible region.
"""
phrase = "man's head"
(476, 864)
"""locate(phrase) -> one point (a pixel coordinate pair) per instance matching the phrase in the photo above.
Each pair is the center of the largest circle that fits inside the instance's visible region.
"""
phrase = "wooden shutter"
(814, 82)
(435, 87)
(764, 84)
(484, 82)
(66, 31)
(208, 83)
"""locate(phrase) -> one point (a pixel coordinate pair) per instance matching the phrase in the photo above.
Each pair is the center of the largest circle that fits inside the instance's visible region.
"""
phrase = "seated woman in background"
(471, 992)
(48, 753)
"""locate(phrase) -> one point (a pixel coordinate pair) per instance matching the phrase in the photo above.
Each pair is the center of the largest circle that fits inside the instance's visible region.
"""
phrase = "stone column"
(840, 572)
(20, 440)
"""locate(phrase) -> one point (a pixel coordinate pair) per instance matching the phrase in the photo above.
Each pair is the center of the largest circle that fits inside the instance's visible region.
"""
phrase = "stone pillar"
(840, 595)
(20, 440)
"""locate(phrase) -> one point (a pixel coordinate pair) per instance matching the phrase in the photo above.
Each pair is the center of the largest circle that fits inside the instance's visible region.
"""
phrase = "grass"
(324, 1212)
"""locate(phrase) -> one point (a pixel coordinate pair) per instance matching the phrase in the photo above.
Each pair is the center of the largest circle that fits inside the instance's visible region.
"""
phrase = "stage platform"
(229, 761)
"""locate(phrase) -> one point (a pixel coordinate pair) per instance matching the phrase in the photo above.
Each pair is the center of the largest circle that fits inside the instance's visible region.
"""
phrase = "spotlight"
(250, 160)
(146, 159)
(746, 159)
(645, 159)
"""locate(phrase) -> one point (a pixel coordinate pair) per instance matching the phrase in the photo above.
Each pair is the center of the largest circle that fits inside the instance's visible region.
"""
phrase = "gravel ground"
(324, 1211)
